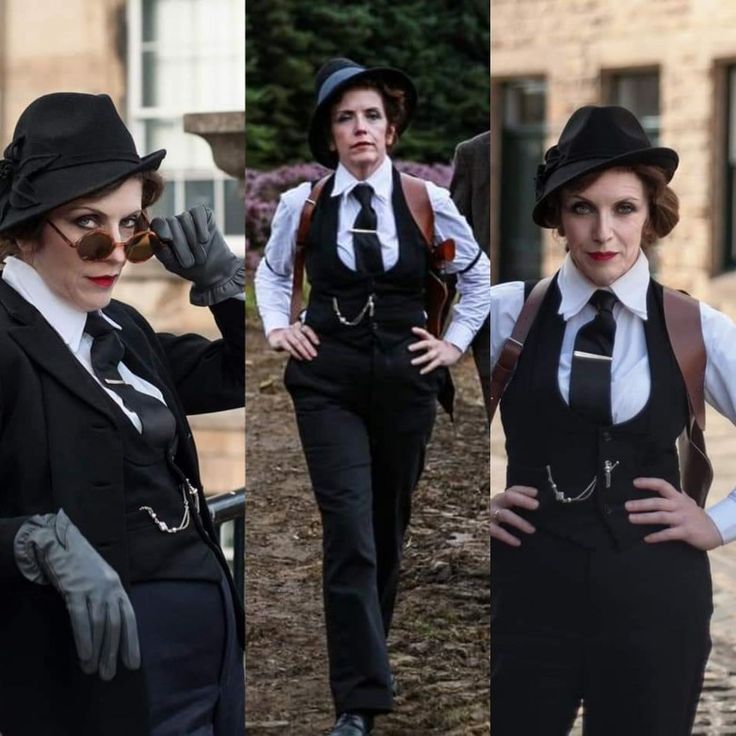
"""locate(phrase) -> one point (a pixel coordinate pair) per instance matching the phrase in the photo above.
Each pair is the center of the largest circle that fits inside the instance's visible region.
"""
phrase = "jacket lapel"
(44, 346)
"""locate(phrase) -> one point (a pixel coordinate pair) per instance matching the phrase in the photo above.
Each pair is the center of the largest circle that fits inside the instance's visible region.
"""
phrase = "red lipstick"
(104, 282)
(602, 255)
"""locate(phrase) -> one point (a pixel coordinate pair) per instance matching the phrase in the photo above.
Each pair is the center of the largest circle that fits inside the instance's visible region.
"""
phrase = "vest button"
(606, 435)
(607, 508)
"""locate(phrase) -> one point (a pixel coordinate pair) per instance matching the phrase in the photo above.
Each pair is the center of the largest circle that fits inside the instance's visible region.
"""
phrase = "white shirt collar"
(381, 180)
(631, 288)
(65, 318)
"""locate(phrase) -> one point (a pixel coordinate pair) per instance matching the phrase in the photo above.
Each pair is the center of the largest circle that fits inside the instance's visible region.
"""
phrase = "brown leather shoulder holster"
(682, 320)
(439, 292)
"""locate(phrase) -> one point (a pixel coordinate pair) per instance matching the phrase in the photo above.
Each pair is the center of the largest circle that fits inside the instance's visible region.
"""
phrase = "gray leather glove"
(197, 252)
(50, 549)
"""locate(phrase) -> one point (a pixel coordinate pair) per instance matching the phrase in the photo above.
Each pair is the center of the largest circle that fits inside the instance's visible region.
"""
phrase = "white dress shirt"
(69, 322)
(273, 279)
(630, 378)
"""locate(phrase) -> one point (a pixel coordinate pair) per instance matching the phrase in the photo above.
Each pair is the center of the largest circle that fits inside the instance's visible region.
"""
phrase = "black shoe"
(352, 724)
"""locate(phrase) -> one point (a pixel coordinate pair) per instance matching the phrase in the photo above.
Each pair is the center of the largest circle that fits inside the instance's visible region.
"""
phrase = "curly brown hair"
(153, 187)
(664, 205)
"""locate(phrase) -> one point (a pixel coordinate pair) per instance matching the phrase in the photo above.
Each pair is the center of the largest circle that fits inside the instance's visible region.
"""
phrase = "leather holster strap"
(684, 329)
(682, 318)
(506, 363)
(305, 220)
(417, 199)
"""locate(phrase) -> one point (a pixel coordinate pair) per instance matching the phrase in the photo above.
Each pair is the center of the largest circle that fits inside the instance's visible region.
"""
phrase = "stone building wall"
(71, 46)
(573, 44)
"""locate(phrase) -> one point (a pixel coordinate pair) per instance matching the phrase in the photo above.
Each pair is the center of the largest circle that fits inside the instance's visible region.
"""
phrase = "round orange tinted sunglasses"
(99, 244)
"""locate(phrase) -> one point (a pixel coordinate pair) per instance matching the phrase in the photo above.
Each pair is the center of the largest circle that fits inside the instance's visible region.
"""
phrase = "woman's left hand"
(686, 521)
(436, 352)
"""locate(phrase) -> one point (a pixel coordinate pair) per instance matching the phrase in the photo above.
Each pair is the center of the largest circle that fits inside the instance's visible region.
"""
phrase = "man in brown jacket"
(470, 188)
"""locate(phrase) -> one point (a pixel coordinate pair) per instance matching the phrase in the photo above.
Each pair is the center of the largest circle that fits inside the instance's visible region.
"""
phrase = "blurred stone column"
(225, 133)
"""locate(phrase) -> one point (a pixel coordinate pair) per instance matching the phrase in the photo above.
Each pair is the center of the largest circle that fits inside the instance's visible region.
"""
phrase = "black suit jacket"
(60, 446)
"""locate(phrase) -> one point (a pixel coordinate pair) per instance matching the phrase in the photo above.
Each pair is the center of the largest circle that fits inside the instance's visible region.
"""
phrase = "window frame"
(609, 78)
(138, 114)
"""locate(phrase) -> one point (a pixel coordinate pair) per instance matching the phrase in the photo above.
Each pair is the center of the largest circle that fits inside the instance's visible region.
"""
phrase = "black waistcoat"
(152, 480)
(542, 430)
(398, 294)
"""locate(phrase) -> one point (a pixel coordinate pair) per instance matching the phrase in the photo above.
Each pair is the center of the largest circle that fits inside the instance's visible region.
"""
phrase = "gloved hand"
(197, 252)
(50, 549)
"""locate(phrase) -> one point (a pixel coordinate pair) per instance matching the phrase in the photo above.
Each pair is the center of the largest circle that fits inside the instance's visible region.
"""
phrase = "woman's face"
(360, 131)
(87, 285)
(603, 224)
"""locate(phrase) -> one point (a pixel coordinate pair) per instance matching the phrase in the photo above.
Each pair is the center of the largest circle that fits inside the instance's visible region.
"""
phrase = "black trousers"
(365, 416)
(482, 357)
(625, 632)
(191, 659)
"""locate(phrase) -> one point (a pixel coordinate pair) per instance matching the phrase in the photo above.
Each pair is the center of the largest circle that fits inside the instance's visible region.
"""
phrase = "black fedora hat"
(331, 81)
(595, 138)
(65, 145)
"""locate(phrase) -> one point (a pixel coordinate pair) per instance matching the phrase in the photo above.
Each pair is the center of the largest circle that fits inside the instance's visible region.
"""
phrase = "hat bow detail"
(551, 160)
(16, 174)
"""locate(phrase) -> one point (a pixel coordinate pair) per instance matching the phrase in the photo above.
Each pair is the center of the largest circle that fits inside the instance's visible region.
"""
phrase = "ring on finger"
(496, 514)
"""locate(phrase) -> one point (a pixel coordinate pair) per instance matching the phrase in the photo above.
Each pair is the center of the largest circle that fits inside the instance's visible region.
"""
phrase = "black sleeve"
(208, 375)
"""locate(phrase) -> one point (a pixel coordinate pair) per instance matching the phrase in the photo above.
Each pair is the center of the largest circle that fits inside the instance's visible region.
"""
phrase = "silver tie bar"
(590, 356)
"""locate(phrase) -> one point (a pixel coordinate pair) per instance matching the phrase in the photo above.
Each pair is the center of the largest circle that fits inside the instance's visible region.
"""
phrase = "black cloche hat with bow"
(595, 138)
(332, 79)
(65, 145)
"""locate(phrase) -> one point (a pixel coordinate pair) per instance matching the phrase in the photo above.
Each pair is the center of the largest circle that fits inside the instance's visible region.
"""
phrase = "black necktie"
(366, 245)
(590, 374)
(159, 425)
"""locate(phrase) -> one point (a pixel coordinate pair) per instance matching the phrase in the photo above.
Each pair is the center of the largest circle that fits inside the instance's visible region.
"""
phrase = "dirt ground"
(440, 641)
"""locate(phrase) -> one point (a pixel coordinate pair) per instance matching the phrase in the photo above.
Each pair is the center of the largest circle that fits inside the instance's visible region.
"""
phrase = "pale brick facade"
(574, 44)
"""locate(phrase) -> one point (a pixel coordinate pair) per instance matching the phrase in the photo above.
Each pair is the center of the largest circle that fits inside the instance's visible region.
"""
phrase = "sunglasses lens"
(95, 246)
(140, 248)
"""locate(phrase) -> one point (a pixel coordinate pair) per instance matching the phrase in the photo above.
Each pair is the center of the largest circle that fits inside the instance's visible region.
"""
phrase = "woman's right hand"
(298, 340)
(523, 497)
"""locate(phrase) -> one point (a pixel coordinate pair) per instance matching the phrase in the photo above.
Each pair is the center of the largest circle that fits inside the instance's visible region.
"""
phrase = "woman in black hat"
(601, 589)
(365, 371)
(118, 615)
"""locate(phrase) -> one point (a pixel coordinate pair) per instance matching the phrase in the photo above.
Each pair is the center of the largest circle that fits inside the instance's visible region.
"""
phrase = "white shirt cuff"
(273, 321)
(459, 335)
(723, 515)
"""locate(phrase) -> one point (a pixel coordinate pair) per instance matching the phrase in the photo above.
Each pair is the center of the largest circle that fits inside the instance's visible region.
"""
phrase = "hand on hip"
(685, 520)
(298, 340)
(433, 352)
(503, 515)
